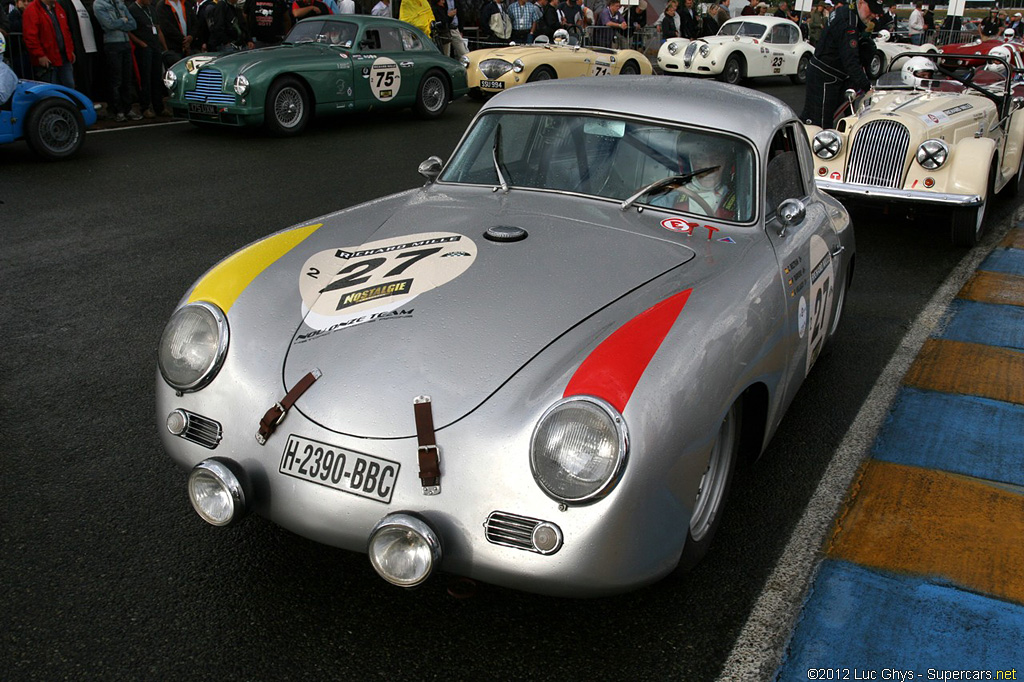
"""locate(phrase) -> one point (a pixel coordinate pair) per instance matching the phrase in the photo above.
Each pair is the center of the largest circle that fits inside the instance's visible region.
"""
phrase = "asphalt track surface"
(105, 571)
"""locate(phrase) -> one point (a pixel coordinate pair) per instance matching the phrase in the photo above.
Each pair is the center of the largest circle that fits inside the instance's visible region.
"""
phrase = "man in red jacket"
(48, 42)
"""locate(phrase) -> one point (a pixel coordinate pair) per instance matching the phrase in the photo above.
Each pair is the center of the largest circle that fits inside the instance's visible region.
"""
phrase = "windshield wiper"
(495, 150)
(670, 181)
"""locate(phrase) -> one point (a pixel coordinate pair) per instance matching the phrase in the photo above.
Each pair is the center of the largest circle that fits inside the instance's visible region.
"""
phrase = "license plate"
(334, 467)
(200, 108)
(493, 85)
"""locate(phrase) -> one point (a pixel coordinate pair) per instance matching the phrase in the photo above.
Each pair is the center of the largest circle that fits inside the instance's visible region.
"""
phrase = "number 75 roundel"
(345, 283)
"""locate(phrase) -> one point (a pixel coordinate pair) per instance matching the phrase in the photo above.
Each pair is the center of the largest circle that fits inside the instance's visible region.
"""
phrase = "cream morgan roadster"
(538, 370)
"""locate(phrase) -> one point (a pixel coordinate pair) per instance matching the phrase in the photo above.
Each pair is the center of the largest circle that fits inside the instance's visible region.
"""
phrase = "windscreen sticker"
(820, 297)
(385, 79)
(351, 284)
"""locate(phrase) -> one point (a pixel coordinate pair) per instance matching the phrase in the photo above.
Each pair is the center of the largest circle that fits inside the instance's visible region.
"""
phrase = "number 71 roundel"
(342, 284)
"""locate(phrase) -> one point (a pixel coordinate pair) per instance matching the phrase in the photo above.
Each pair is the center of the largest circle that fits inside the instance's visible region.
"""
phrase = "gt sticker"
(820, 297)
(385, 79)
(339, 285)
(686, 227)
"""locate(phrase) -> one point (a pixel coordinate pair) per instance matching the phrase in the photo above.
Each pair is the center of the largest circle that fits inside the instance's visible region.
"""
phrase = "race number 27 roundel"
(346, 283)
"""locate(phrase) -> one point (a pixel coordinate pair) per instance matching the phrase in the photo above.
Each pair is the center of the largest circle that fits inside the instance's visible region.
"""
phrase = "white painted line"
(762, 642)
(138, 127)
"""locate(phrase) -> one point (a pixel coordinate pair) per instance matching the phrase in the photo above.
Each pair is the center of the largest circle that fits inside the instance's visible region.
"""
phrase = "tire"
(287, 109)
(55, 129)
(630, 68)
(876, 65)
(968, 224)
(1013, 187)
(714, 489)
(800, 77)
(432, 96)
(732, 73)
(541, 73)
(476, 94)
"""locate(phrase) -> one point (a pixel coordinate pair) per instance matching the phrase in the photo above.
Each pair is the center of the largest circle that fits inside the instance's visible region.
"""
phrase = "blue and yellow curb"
(923, 575)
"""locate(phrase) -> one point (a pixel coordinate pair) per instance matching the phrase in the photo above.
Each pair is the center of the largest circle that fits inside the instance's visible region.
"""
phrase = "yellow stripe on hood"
(227, 280)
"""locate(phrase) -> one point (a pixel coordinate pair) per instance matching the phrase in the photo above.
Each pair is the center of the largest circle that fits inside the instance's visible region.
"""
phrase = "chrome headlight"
(932, 154)
(170, 79)
(465, 60)
(404, 550)
(578, 449)
(517, 66)
(241, 86)
(193, 346)
(673, 49)
(492, 68)
(704, 50)
(827, 144)
(216, 493)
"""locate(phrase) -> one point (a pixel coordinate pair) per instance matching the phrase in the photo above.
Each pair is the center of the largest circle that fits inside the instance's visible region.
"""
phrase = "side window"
(390, 40)
(778, 35)
(410, 41)
(794, 35)
(783, 178)
(371, 40)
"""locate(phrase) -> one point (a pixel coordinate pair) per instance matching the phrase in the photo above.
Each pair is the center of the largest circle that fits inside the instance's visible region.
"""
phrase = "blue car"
(51, 118)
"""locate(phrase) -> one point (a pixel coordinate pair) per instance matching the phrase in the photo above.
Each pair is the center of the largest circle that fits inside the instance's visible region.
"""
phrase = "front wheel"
(541, 73)
(876, 65)
(55, 129)
(287, 108)
(713, 490)
(630, 68)
(800, 77)
(968, 224)
(733, 71)
(1013, 187)
(432, 98)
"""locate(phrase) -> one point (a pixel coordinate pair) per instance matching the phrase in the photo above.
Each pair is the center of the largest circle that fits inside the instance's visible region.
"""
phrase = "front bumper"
(914, 196)
(222, 115)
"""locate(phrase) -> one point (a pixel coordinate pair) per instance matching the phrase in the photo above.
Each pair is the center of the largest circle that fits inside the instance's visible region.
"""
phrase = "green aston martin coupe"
(326, 65)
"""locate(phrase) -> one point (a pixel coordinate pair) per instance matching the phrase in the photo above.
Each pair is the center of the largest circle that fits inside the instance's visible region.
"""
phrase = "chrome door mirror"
(431, 168)
(789, 213)
(1018, 102)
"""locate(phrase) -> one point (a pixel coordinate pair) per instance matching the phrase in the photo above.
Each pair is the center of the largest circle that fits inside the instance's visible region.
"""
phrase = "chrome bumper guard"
(914, 195)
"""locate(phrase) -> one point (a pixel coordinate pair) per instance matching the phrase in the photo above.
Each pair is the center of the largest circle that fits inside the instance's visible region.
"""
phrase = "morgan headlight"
(578, 449)
(170, 79)
(241, 86)
(673, 49)
(827, 144)
(704, 50)
(932, 154)
(193, 346)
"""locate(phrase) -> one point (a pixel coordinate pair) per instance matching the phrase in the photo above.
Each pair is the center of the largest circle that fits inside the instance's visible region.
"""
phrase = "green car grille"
(209, 88)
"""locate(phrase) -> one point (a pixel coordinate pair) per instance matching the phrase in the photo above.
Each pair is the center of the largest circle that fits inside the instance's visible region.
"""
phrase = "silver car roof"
(680, 100)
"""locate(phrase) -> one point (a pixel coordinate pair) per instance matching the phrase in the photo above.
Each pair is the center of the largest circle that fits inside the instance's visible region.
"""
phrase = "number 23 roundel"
(346, 283)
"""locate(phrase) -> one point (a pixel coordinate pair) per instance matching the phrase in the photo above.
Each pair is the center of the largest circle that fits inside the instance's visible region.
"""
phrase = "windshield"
(742, 28)
(704, 173)
(340, 33)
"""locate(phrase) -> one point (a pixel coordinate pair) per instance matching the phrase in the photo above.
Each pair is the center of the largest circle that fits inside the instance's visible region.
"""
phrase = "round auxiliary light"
(177, 422)
(827, 144)
(404, 550)
(216, 493)
(929, 182)
(547, 538)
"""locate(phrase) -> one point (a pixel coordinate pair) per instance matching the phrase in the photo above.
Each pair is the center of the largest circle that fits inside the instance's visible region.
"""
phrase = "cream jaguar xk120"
(929, 137)
(538, 370)
(745, 47)
(494, 69)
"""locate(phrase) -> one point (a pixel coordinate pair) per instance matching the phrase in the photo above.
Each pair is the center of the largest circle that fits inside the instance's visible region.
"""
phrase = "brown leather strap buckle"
(276, 414)
(429, 454)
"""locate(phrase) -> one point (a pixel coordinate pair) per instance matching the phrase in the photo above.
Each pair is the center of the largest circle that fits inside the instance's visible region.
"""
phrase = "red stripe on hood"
(613, 369)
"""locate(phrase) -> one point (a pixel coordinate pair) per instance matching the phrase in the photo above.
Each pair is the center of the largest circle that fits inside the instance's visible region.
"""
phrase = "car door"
(781, 41)
(385, 72)
(806, 246)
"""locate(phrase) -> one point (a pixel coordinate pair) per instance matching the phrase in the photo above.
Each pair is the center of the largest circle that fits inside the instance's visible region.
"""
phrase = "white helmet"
(912, 72)
(884, 35)
(561, 36)
(1008, 35)
(999, 51)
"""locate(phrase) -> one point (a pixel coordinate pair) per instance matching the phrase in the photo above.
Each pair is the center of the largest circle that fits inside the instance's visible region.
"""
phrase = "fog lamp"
(404, 550)
(216, 493)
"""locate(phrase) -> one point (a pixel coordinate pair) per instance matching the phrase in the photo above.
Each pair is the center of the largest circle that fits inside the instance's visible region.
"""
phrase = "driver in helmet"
(712, 193)
(919, 72)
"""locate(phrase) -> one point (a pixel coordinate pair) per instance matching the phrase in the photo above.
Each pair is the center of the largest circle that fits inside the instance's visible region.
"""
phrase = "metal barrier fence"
(17, 56)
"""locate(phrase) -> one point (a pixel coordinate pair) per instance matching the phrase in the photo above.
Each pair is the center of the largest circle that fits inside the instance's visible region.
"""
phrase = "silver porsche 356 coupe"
(539, 369)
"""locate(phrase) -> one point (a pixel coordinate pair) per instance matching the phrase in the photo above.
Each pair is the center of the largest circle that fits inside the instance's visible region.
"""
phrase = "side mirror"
(1018, 102)
(790, 212)
(431, 168)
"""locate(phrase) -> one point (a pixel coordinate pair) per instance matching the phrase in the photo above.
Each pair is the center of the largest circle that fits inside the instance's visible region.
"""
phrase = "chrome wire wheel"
(58, 130)
(55, 128)
(434, 93)
(714, 484)
(289, 107)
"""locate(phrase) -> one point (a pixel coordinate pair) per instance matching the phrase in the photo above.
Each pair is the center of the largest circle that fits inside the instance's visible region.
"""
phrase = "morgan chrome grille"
(209, 88)
(878, 154)
(199, 429)
(522, 532)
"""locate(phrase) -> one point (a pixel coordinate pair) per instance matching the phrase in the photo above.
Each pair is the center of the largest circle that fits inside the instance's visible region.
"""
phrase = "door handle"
(838, 250)
(406, 64)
